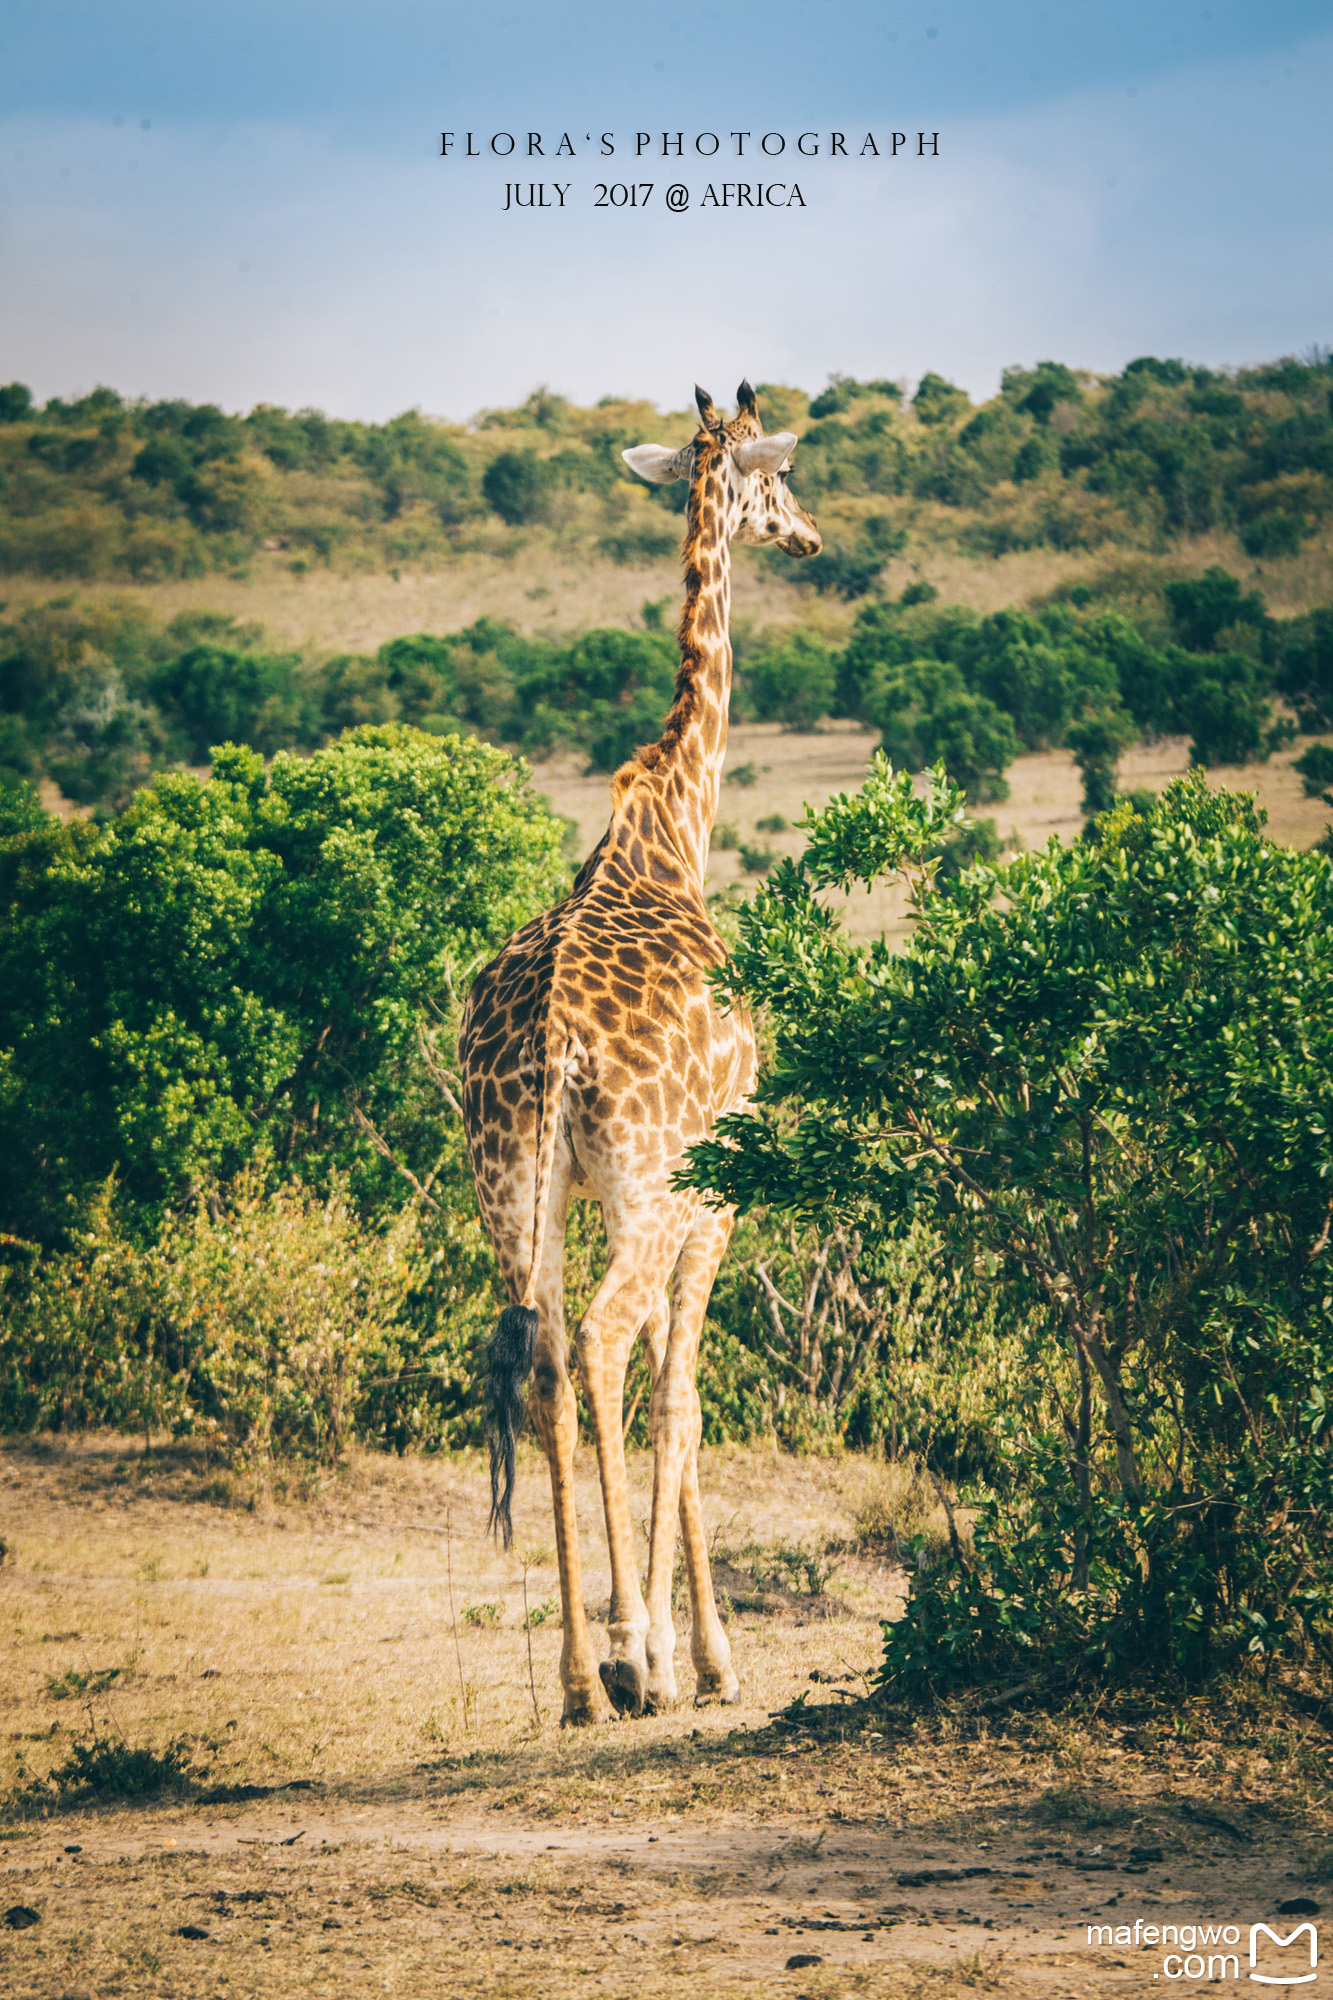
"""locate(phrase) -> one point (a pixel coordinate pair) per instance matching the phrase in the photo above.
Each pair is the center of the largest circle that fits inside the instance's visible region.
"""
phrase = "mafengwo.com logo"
(1218, 1951)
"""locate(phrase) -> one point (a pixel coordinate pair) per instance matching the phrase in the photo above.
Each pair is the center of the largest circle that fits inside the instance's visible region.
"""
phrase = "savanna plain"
(298, 1730)
(374, 1793)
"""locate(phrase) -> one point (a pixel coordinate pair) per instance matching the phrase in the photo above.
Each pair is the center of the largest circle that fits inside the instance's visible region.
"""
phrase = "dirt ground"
(787, 772)
(354, 1823)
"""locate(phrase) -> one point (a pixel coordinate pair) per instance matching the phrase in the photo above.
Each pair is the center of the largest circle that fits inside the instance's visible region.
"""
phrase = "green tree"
(249, 965)
(1105, 1075)
(217, 694)
(1204, 607)
(1303, 651)
(938, 401)
(791, 680)
(927, 714)
(1097, 740)
(516, 485)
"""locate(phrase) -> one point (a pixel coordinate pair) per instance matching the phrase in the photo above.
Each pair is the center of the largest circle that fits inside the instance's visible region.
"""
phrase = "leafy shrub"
(1072, 1076)
(106, 1767)
(975, 843)
(252, 1322)
(266, 947)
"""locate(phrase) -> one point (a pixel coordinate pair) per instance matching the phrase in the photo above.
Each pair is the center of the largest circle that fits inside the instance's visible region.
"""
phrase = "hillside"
(997, 582)
(1059, 460)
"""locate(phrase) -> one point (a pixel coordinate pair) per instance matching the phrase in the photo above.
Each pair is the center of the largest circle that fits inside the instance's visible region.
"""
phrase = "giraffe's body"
(594, 1052)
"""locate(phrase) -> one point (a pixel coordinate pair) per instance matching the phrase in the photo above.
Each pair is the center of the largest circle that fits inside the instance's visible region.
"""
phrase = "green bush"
(1097, 741)
(1315, 770)
(251, 963)
(1302, 649)
(1104, 1076)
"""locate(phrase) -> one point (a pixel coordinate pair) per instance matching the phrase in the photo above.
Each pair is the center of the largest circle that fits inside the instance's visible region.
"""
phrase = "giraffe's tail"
(508, 1365)
(510, 1351)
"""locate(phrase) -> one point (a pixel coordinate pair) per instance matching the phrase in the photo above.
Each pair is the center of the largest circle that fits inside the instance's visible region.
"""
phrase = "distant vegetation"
(98, 698)
(1060, 458)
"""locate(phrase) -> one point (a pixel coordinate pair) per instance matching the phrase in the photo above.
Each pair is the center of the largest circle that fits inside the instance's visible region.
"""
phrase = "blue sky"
(247, 203)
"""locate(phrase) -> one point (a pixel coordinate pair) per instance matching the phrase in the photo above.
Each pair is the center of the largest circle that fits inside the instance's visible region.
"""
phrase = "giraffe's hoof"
(584, 1711)
(721, 1693)
(626, 1683)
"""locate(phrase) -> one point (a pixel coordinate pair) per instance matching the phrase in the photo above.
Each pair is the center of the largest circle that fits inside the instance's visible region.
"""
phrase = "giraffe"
(593, 1053)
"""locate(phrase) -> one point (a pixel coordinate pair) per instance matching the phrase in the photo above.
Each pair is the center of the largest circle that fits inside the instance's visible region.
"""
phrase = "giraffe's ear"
(768, 454)
(659, 466)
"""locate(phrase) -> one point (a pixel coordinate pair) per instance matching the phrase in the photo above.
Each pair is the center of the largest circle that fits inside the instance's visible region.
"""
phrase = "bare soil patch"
(349, 1828)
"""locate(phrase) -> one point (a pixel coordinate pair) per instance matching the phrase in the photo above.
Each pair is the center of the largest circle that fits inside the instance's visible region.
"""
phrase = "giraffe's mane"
(685, 695)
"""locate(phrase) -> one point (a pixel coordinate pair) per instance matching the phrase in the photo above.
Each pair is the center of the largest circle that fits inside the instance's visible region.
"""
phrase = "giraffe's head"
(748, 475)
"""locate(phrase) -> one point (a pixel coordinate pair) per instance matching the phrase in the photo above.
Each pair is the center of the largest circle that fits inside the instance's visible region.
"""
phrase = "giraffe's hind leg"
(675, 1421)
(554, 1410)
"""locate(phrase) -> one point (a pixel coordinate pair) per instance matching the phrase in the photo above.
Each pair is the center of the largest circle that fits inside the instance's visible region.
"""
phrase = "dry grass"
(311, 1635)
(543, 584)
(381, 1844)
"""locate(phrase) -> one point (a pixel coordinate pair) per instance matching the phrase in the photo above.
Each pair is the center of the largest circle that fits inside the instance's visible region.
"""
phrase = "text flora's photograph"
(666, 999)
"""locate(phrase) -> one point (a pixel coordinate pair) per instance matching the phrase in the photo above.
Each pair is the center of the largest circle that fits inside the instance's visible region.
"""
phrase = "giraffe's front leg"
(710, 1649)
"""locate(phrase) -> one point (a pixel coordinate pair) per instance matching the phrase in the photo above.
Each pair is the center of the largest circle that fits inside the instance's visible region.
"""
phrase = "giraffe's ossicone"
(594, 1052)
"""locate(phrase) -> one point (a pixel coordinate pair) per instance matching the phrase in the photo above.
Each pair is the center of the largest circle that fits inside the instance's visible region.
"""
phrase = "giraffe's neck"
(668, 795)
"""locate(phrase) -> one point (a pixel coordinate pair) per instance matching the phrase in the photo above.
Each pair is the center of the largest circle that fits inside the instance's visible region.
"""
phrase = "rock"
(1298, 1906)
(799, 1959)
(190, 1931)
(21, 1918)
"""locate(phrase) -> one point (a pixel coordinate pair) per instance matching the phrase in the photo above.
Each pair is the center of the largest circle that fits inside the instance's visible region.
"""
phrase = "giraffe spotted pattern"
(593, 1054)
